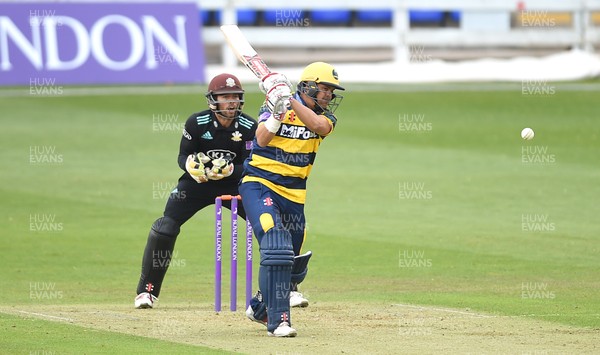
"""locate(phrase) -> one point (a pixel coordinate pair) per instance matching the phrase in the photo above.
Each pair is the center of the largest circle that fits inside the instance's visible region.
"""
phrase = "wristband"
(272, 124)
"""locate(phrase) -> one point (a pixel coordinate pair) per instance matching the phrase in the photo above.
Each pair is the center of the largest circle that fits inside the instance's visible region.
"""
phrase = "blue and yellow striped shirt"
(285, 163)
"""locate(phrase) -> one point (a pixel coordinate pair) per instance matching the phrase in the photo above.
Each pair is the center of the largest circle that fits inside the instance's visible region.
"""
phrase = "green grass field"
(424, 197)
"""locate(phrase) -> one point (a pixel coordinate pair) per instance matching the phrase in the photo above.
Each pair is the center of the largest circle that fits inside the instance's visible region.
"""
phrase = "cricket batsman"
(214, 145)
(273, 188)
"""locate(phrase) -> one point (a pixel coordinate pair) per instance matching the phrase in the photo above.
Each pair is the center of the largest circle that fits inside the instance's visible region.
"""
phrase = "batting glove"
(195, 167)
(272, 80)
(278, 100)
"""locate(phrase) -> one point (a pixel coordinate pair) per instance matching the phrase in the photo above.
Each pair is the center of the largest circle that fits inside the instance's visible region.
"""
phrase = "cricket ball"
(527, 133)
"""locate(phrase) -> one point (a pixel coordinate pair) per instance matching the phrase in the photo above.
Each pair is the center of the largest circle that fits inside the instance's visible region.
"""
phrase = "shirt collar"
(232, 128)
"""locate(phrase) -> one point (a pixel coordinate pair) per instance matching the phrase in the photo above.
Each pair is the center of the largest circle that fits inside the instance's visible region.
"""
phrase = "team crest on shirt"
(236, 136)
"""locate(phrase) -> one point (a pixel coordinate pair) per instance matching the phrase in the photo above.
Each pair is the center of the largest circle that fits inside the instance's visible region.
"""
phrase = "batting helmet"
(320, 73)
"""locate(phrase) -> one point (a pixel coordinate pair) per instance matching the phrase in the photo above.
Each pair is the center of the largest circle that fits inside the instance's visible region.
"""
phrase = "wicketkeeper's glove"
(221, 168)
(195, 166)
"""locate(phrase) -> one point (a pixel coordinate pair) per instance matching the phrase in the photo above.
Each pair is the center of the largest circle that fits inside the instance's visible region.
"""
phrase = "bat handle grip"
(288, 106)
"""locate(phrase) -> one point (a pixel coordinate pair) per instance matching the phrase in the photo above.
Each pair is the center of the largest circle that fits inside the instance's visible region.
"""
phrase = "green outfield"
(428, 216)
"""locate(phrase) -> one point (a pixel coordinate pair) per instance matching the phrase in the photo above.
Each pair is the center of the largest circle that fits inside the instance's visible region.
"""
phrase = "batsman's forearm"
(316, 123)
(263, 136)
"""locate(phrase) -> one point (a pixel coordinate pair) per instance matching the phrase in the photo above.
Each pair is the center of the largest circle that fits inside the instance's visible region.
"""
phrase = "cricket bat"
(244, 51)
(246, 54)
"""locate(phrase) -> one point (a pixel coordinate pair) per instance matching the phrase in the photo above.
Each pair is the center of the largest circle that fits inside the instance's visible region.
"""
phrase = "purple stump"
(218, 252)
(248, 262)
(234, 232)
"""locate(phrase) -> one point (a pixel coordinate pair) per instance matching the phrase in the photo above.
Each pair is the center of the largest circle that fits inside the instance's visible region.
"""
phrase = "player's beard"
(321, 105)
(230, 111)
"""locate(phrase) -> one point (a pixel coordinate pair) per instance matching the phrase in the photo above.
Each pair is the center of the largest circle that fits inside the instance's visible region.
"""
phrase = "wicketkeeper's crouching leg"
(156, 260)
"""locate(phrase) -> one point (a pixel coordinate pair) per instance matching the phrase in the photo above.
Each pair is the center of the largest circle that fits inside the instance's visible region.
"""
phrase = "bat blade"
(244, 51)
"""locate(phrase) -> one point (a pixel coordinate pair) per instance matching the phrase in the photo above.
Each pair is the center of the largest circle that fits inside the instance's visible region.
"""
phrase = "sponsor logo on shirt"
(296, 132)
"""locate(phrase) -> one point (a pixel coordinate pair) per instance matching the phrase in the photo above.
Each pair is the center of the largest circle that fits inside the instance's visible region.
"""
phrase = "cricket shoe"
(297, 300)
(283, 330)
(145, 300)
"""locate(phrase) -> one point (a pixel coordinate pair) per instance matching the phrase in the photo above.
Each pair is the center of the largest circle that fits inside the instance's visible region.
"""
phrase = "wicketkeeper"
(213, 147)
(273, 189)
